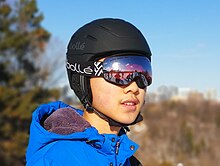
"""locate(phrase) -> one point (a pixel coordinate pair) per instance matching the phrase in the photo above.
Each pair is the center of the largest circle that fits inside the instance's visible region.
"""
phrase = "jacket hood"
(58, 121)
(65, 121)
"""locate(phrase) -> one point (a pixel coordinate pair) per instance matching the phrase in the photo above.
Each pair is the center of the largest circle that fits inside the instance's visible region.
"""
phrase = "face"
(119, 103)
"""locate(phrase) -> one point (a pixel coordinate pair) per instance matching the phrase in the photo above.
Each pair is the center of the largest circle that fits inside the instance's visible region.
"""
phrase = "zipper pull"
(117, 147)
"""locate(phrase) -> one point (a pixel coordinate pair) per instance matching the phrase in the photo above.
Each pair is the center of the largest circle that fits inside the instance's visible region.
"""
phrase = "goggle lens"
(122, 70)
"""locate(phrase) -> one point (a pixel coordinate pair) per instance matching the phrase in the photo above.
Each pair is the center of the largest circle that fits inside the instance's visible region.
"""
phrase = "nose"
(132, 88)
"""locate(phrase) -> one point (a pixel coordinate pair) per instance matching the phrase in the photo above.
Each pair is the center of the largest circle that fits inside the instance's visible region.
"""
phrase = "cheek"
(101, 91)
(142, 96)
(104, 102)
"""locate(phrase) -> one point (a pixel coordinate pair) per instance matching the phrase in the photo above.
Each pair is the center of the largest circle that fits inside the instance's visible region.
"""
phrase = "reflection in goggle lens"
(122, 70)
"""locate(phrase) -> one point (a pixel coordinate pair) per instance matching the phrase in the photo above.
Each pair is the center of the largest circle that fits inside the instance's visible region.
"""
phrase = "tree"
(22, 42)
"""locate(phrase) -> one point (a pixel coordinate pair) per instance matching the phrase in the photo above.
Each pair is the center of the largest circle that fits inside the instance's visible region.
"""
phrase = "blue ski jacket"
(59, 136)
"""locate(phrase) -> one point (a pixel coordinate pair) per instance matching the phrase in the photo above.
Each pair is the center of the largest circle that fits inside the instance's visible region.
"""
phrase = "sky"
(184, 36)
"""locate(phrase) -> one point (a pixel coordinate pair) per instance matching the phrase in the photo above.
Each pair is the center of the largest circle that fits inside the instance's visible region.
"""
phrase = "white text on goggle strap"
(76, 67)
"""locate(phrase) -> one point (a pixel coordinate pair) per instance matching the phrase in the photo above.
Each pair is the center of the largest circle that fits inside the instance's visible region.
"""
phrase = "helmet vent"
(90, 37)
(108, 30)
(105, 28)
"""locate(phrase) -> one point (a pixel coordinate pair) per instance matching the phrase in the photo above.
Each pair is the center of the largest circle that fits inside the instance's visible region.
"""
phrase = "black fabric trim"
(134, 161)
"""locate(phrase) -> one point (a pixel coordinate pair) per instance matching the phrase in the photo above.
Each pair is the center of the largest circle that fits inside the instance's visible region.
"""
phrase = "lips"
(130, 103)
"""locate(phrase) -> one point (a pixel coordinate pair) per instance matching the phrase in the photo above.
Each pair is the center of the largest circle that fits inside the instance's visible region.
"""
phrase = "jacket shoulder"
(55, 153)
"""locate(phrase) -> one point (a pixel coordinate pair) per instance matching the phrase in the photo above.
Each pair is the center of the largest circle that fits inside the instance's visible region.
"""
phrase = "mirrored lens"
(122, 70)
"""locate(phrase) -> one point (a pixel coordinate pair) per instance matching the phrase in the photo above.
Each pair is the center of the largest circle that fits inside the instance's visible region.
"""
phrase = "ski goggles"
(119, 70)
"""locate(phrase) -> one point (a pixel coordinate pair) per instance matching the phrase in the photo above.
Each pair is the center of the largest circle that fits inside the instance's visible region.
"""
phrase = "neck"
(100, 124)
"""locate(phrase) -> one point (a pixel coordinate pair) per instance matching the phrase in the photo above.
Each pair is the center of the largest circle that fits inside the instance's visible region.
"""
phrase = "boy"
(109, 68)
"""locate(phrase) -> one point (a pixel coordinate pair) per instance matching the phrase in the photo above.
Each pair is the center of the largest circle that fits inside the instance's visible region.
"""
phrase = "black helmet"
(98, 39)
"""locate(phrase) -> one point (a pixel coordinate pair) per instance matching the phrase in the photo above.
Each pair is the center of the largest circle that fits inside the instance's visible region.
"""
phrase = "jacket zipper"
(117, 147)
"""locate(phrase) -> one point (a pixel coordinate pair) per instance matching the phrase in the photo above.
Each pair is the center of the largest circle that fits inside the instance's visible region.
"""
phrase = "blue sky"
(184, 36)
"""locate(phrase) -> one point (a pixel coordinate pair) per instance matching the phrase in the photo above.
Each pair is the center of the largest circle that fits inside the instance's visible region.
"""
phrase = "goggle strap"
(90, 69)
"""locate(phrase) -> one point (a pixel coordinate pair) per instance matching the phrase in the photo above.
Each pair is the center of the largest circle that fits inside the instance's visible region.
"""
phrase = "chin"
(127, 121)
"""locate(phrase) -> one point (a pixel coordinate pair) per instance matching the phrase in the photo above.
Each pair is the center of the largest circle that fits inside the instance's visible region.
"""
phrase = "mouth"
(130, 104)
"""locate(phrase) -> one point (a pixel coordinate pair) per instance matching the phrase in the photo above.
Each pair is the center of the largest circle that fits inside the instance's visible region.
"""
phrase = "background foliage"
(179, 131)
(22, 42)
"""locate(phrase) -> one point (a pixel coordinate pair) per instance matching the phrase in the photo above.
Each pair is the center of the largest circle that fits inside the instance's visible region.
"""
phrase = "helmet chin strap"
(111, 122)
